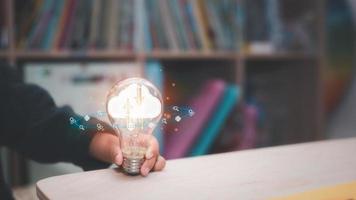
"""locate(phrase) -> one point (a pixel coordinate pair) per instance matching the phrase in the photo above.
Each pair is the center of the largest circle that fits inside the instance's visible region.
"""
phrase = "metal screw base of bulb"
(132, 166)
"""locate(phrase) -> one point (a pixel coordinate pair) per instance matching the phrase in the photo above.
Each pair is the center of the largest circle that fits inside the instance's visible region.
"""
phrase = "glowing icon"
(136, 106)
(100, 127)
(164, 121)
(72, 120)
(178, 118)
(176, 108)
(86, 118)
(191, 112)
(81, 127)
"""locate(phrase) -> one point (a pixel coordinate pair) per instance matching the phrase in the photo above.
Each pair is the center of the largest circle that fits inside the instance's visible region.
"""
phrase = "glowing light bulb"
(134, 107)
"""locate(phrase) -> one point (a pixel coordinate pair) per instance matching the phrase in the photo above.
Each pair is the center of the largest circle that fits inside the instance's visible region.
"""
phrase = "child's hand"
(106, 147)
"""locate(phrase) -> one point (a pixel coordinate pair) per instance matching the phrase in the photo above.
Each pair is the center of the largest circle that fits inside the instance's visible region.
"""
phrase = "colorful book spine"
(39, 23)
(94, 24)
(202, 22)
(112, 24)
(168, 25)
(68, 23)
(146, 29)
(178, 144)
(215, 124)
(139, 17)
(130, 25)
(249, 131)
(52, 27)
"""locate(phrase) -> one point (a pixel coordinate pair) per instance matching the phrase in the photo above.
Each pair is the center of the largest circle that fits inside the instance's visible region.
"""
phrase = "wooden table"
(250, 174)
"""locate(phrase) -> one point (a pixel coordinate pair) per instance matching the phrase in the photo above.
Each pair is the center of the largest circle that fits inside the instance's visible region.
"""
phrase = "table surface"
(250, 174)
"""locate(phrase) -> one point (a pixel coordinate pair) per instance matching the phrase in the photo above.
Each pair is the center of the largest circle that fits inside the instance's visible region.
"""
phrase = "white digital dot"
(178, 118)
(86, 118)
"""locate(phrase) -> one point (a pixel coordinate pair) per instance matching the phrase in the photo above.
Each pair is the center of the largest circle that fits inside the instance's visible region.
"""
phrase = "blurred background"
(234, 74)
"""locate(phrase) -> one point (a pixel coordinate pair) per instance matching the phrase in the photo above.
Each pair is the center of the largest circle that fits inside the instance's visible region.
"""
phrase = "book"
(139, 32)
(112, 23)
(193, 23)
(78, 36)
(201, 21)
(139, 25)
(249, 130)
(126, 29)
(61, 24)
(65, 32)
(168, 25)
(204, 142)
(95, 12)
(217, 31)
(176, 22)
(25, 20)
(187, 24)
(178, 144)
(153, 72)
(146, 29)
(40, 24)
(154, 25)
(103, 18)
(52, 26)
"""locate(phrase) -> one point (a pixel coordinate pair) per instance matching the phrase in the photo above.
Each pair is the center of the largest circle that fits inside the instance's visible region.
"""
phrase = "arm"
(33, 125)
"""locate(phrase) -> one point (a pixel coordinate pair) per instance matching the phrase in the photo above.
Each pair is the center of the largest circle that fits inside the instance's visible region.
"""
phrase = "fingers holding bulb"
(148, 165)
(152, 156)
(160, 164)
(157, 163)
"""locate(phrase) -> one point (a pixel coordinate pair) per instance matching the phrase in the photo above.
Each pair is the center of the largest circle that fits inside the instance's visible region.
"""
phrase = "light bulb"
(134, 107)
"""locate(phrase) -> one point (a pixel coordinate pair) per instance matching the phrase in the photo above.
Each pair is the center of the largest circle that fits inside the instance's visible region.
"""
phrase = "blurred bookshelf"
(243, 42)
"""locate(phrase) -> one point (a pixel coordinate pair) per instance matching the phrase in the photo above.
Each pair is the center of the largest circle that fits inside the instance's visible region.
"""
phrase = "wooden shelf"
(280, 56)
(161, 55)
(73, 54)
(192, 55)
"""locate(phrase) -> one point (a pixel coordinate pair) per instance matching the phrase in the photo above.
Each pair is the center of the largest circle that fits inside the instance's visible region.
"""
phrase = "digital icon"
(177, 118)
(100, 127)
(81, 127)
(72, 120)
(176, 108)
(164, 120)
(86, 118)
(191, 112)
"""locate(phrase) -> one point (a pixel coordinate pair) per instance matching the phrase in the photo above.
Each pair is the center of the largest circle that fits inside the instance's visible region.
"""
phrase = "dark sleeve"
(34, 126)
